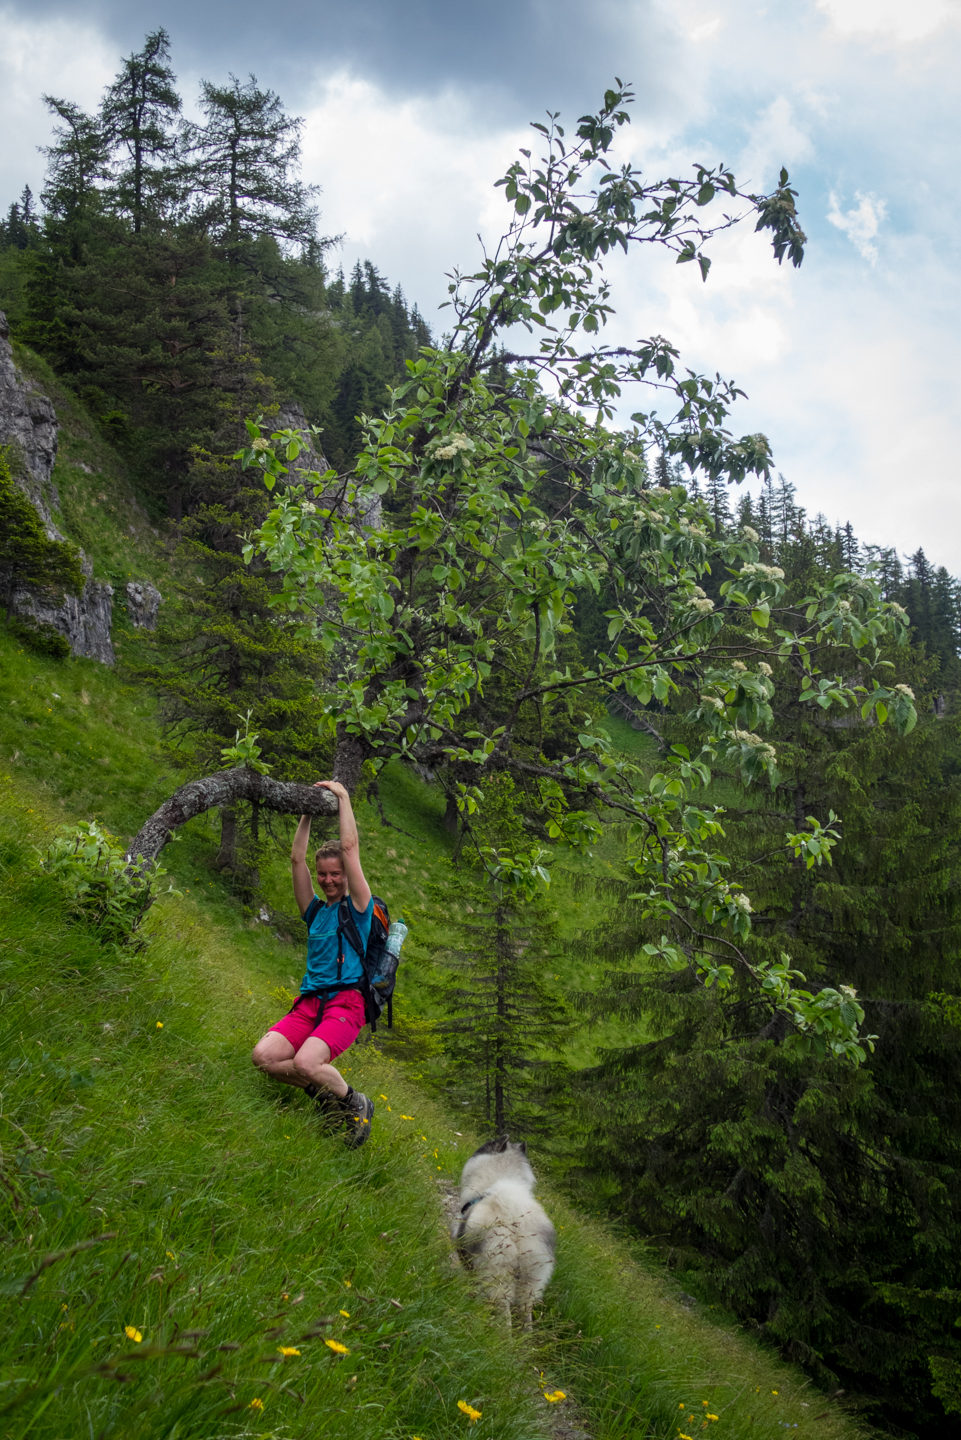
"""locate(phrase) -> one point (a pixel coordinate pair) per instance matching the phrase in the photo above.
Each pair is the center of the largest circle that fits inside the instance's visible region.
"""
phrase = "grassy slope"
(227, 1203)
(224, 1197)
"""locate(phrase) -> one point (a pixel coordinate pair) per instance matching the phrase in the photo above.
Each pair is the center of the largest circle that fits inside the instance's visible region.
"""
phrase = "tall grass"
(226, 1226)
(223, 1225)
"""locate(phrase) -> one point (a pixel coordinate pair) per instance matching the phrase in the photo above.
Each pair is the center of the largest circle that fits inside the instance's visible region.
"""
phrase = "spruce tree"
(506, 1019)
(718, 504)
(221, 653)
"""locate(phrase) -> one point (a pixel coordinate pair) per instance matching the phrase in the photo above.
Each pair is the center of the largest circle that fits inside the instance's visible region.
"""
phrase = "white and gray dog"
(501, 1232)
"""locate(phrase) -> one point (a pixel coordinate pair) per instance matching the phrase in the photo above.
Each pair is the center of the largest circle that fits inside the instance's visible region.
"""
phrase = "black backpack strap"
(347, 925)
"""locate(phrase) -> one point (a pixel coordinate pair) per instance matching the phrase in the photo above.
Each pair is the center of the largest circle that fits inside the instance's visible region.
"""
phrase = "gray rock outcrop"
(367, 507)
(83, 620)
(143, 603)
(28, 422)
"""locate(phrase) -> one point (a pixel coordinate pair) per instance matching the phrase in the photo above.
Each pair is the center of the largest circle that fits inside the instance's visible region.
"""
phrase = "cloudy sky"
(851, 364)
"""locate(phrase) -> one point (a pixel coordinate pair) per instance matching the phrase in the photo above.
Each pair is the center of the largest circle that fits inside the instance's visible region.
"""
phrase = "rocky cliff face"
(290, 416)
(28, 421)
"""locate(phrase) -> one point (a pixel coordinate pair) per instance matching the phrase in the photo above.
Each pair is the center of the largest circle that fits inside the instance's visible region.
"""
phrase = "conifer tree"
(138, 114)
(157, 322)
(77, 160)
(221, 653)
(506, 1016)
(718, 504)
(245, 155)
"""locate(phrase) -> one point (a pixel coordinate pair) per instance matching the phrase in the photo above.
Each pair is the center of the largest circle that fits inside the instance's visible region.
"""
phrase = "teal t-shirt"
(321, 922)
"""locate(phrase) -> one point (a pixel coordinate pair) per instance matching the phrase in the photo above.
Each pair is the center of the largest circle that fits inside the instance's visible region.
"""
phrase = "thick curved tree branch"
(224, 788)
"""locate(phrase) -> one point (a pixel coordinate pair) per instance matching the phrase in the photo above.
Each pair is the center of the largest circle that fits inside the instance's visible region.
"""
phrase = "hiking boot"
(329, 1107)
(359, 1112)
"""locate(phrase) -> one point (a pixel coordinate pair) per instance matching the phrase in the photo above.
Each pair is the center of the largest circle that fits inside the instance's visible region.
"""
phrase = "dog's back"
(501, 1231)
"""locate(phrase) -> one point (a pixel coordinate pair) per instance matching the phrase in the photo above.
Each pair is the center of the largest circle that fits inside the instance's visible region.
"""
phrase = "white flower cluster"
(738, 665)
(766, 572)
(713, 701)
(765, 668)
(747, 737)
(904, 690)
(702, 604)
(308, 507)
(742, 903)
(750, 534)
(844, 607)
(690, 528)
(260, 444)
(658, 490)
(631, 455)
(897, 609)
(455, 444)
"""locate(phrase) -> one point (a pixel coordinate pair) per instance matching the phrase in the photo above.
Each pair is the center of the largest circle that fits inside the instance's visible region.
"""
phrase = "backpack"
(380, 966)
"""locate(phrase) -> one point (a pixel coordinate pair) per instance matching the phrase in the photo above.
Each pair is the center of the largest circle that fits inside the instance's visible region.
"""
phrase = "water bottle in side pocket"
(390, 959)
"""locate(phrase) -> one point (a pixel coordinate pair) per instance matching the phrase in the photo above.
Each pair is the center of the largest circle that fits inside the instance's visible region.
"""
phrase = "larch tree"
(139, 114)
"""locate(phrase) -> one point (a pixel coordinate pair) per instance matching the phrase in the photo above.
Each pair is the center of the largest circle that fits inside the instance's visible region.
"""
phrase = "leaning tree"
(509, 495)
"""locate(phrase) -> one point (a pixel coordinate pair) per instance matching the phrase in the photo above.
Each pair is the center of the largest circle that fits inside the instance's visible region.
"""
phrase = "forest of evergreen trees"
(173, 275)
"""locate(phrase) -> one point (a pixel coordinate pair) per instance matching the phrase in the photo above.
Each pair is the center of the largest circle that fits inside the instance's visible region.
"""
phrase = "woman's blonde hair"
(330, 850)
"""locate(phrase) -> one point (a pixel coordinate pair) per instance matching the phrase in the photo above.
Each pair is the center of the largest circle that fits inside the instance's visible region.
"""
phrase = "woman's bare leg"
(312, 1064)
(274, 1055)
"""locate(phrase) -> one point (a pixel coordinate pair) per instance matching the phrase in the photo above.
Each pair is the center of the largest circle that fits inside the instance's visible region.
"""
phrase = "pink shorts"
(339, 1025)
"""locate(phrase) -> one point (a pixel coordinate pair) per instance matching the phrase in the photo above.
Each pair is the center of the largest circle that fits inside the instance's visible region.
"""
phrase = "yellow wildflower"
(287, 1350)
(682, 1436)
(256, 1404)
(384, 1097)
(337, 1348)
(160, 1024)
(407, 1117)
(472, 1414)
(773, 1392)
(348, 1283)
(554, 1396)
(132, 1333)
(170, 1255)
(713, 1417)
(346, 1314)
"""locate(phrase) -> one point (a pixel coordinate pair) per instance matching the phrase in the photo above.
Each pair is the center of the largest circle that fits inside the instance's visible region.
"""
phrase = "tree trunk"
(222, 789)
(349, 759)
(227, 854)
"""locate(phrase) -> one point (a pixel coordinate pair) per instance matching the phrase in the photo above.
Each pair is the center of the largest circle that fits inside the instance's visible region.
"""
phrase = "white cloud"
(67, 58)
(849, 365)
(775, 139)
(407, 181)
(899, 20)
(861, 224)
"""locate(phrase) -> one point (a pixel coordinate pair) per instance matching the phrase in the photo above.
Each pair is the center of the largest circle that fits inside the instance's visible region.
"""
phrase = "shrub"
(102, 889)
(41, 637)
